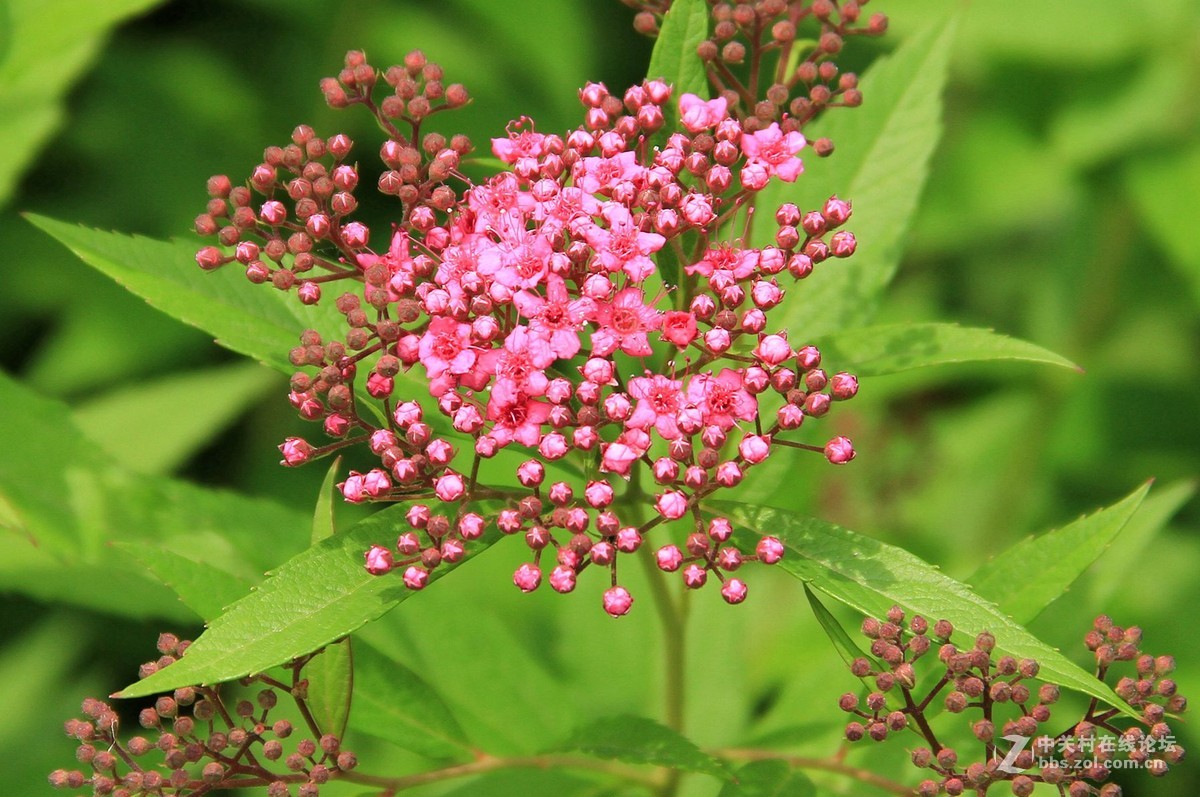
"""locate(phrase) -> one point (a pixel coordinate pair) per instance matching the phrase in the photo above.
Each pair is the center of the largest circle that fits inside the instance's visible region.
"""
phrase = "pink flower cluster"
(543, 314)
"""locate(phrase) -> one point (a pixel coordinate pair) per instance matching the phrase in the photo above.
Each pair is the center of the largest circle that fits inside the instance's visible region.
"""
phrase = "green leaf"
(330, 676)
(871, 576)
(202, 587)
(45, 45)
(1030, 575)
(526, 782)
(315, 598)
(1126, 552)
(638, 740)
(769, 778)
(881, 162)
(394, 703)
(674, 58)
(324, 522)
(892, 348)
(143, 426)
(833, 629)
(1150, 181)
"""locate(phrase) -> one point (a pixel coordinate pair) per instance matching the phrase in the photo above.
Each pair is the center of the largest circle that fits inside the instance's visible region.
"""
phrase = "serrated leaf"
(44, 47)
(330, 676)
(871, 576)
(1030, 575)
(674, 57)
(833, 629)
(769, 778)
(881, 162)
(396, 704)
(203, 588)
(638, 740)
(318, 596)
(143, 427)
(892, 348)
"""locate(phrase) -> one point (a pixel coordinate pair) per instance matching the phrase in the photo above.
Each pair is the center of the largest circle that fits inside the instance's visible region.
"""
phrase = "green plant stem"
(672, 614)
(833, 765)
(488, 763)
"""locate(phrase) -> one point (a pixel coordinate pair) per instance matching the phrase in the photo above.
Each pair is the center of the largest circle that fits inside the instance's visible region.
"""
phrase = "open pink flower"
(520, 366)
(620, 454)
(697, 114)
(446, 347)
(722, 399)
(776, 151)
(519, 419)
(556, 317)
(623, 246)
(659, 401)
(623, 324)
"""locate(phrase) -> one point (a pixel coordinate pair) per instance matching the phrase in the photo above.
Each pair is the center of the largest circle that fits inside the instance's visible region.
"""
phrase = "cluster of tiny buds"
(805, 79)
(1076, 760)
(198, 742)
(520, 301)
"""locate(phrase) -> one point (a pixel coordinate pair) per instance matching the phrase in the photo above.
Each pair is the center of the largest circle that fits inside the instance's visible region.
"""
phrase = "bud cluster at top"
(593, 308)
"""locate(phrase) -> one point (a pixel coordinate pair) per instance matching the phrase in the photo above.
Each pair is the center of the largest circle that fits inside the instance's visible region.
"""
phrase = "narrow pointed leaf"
(396, 704)
(323, 516)
(674, 57)
(318, 596)
(1033, 573)
(881, 162)
(638, 740)
(872, 576)
(889, 349)
(833, 629)
(770, 778)
(1112, 571)
(200, 586)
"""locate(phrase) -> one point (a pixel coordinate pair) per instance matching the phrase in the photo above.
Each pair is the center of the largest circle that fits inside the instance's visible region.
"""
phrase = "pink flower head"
(694, 576)
(599, 494)
(446, 348)
(562, 579)
(698, 114)
(839, 451)
(471, 526)
(416, 578)
(519, 419)
(620, 454)
(557, 317)
(769, 550)
(450, 487)
(520, 143)
(773, 350)
(669, 558)
(672, 505)
(617, 601)
(623, 324)
(659, 400)
(379, 560)
(353, 489)
(679, 327)
(623, 247)
(296, 451)
(734, 591)
(722, 399)
(527, 577)
(755, 448)
(776, 151)
(726, 263)
(520, 366)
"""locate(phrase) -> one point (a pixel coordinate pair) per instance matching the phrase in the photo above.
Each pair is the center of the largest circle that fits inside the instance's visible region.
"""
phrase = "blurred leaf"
(841, 640)
(64, 501)
(202, 587)
(527, 782)
(318, 596)
(882, 158)
(872, 351)
(38, 660)
(638, 740)
(871, 577)
(154, 427)
(770, 778)
(44, 47)
(1156, 183)
(1102, 124)
(1125, 555)
(394, 703)
(1030, 575)
(674, 58)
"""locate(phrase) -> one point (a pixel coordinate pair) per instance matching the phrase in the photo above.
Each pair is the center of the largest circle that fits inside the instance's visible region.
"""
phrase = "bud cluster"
(773, 60)
(1013, 710)
(585, 307)
(197, 740)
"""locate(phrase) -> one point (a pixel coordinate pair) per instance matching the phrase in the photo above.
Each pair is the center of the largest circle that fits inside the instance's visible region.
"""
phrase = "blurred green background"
(1062, 208)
